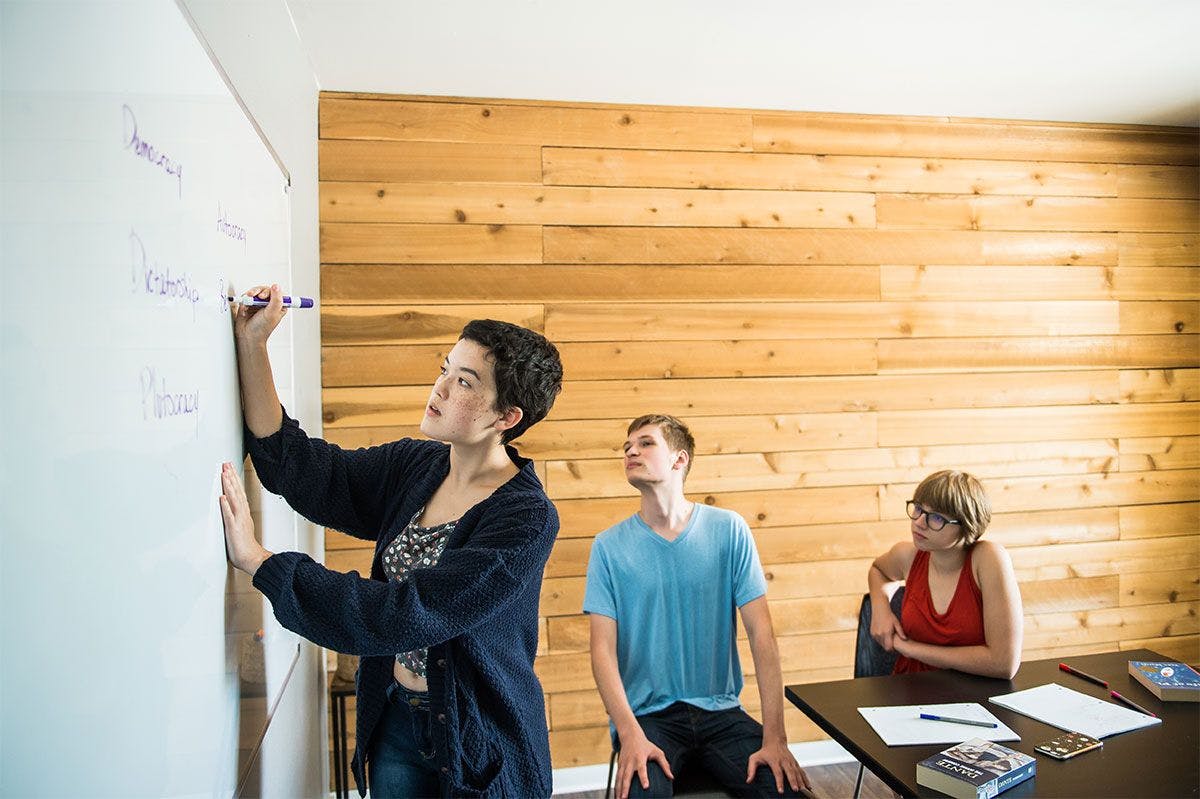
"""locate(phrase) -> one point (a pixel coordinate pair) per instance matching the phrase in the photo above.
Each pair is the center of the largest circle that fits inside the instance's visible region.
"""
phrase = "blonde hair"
(959, 496)
(674, 432)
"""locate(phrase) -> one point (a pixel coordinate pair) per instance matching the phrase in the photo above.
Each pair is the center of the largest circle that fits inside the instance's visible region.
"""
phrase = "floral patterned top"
(416, 547)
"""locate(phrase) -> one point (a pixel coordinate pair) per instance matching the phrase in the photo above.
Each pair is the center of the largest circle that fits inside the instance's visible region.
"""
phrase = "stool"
(339, 690)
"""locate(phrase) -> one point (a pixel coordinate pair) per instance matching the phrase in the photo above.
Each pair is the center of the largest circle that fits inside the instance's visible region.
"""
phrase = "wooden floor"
(829, 782)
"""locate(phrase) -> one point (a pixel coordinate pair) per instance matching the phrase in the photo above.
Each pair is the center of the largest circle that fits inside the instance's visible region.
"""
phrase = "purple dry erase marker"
(288, 302)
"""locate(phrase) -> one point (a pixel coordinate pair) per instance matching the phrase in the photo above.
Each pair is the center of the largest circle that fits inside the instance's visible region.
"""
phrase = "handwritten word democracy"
(225, 227)
(144, 149)
(159, 403)
(155, 280)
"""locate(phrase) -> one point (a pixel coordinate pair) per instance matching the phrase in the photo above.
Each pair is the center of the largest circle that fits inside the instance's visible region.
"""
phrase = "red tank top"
(960, 625)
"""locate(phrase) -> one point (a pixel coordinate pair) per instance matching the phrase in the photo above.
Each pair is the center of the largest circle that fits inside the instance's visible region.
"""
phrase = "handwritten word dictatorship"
(144, 149)
(155, 280)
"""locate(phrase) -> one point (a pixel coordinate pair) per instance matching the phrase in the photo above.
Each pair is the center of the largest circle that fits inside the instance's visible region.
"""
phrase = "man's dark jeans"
(718, 741)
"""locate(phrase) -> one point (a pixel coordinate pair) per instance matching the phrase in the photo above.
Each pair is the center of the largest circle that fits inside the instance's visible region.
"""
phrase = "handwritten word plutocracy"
(155, 280)
(227, 228)
(160, 403)
(144, 149)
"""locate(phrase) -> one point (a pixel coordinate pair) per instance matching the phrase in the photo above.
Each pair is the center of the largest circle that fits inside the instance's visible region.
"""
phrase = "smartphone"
(1068, 745)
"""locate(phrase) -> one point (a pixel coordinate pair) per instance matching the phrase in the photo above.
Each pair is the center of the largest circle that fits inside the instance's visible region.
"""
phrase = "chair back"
(870, 659)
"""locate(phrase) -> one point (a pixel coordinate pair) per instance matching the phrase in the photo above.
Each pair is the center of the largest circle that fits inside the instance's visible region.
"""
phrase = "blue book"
(1169, 681)
(975, 769)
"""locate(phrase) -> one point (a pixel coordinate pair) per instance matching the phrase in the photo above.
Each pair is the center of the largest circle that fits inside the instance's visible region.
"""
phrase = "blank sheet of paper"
(902, 725)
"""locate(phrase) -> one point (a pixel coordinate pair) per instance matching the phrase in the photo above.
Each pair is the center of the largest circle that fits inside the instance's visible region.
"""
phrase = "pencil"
(1131, 703)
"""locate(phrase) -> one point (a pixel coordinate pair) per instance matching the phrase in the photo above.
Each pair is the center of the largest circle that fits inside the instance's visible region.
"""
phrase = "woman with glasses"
(962, 607)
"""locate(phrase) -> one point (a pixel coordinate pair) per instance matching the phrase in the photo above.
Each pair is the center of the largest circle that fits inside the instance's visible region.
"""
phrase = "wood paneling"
(1039, 283)
(505, 124)
(771, 470)
(779, 320)
(623, 360)
(377, 284)
(346, 159)
(1155, 181)
(857, 135)
(1154, 521)
(1086, 491)
(1158, 249)
(836, 304)
(1036, 424)
(638, 245)
(343, 242)
(605, 399)
(784, 172)
(1159, 318)
(969, 354)
(512, 204)
(414, 325)
(939, 212)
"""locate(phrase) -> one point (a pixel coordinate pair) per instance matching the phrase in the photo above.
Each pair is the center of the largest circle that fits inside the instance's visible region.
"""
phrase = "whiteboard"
(135, 192)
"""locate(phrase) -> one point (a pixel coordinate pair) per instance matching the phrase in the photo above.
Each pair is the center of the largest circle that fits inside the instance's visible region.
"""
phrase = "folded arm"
(1003, 623)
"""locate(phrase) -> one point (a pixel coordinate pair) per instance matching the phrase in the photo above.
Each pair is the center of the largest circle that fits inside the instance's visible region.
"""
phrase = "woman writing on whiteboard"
(962, 606)
(447, 624)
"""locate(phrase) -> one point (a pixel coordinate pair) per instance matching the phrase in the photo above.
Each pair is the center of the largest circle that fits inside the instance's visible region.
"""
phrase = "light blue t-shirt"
(675, 604)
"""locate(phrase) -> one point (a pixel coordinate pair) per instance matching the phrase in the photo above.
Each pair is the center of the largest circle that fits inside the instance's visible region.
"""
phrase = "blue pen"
(972, 722)
(288, 302)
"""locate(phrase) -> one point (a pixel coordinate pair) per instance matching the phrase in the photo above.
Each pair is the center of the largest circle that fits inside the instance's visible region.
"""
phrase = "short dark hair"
(674, 432)
(527, 368)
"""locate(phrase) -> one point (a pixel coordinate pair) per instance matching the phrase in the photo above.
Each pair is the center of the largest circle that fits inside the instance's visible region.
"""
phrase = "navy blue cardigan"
(476, 610)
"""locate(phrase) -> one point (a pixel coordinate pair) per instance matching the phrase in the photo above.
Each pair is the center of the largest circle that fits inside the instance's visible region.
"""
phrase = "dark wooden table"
(1163, 760)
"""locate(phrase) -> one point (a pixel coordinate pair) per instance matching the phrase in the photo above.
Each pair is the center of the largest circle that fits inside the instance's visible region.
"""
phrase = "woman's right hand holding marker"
(252, 326)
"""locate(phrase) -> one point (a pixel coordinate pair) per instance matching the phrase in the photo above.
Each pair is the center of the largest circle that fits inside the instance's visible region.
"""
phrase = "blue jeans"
(717, 741)
(401, 763)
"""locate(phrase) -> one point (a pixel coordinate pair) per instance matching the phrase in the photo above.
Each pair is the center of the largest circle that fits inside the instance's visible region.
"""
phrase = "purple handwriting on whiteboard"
(158, 402)
(157, 281)
(227, 228)
(144, 149)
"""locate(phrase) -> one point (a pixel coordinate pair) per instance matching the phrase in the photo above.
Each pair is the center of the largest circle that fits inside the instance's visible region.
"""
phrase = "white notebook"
(1070, 710)
(902, 725)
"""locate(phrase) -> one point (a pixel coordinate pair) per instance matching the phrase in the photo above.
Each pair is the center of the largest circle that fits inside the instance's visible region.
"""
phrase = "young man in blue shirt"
(662, 588)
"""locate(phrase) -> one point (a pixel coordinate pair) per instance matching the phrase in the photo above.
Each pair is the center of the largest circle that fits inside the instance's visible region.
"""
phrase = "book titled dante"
(1170, 682)
(975, 769)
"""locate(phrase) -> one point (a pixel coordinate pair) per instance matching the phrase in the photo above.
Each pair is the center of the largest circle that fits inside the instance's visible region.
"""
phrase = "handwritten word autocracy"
(160, 403)
(144, 149)
(227, 228)
(150, 278)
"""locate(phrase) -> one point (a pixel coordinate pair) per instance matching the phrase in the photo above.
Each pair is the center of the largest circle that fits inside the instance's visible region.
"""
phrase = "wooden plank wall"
(838, 305)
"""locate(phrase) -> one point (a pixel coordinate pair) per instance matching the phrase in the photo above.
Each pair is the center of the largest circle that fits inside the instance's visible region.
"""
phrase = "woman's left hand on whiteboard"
(245, 553)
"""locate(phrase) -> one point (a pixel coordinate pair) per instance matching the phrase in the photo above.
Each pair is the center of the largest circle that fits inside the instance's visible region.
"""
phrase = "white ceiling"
(1133, 61)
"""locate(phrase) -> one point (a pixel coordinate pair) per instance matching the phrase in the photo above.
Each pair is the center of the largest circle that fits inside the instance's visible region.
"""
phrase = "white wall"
(256, 44)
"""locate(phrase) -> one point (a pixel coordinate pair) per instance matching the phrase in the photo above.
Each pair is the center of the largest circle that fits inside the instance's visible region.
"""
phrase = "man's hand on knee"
(637, 752)
(776, 756)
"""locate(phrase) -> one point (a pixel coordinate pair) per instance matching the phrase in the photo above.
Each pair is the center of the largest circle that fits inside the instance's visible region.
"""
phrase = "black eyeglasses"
(935, 521)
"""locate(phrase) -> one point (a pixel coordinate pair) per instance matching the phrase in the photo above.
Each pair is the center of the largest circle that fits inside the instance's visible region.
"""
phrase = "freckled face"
(462, 403)
(648, 458)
